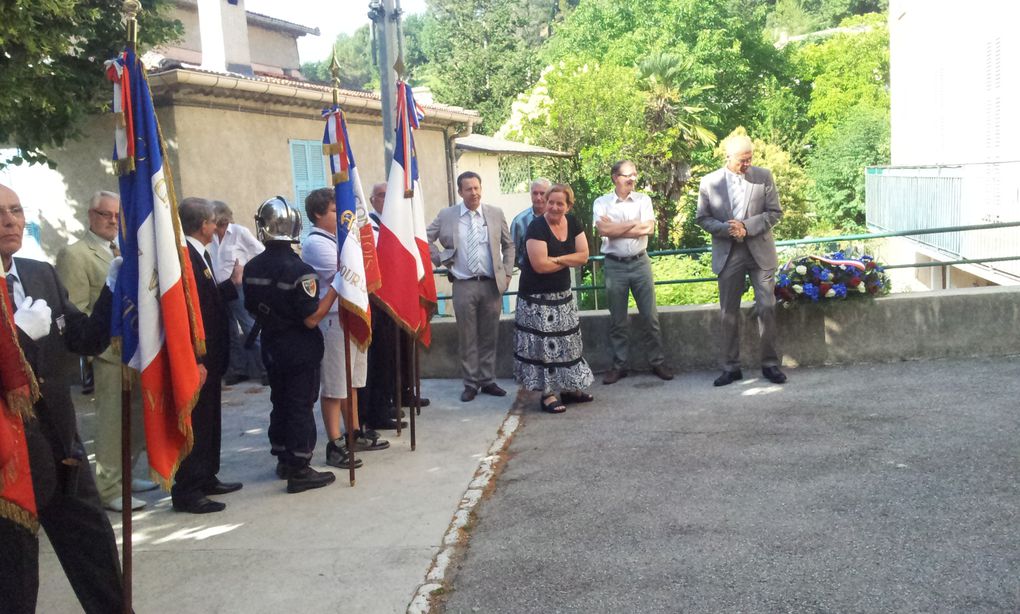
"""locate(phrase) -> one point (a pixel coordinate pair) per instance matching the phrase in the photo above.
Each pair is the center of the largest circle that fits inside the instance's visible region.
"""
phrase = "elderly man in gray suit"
(479, 253)
(738, 205)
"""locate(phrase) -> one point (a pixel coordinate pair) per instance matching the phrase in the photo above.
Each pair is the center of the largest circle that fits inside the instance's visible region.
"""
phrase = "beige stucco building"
(240, 123)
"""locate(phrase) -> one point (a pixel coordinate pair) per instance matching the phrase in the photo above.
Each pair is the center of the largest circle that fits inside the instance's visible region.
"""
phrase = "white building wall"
(953, 79)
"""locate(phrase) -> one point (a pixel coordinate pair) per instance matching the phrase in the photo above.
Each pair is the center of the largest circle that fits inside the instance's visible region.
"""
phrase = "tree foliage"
(794, 17)
(837, 165)
(354, 57)
(51, 66)
(481, 53)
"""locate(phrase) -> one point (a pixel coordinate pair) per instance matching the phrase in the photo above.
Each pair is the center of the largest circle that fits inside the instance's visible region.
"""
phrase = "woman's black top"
(540, 283)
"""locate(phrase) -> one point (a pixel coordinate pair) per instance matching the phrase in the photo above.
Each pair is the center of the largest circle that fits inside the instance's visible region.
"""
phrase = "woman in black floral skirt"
(547, 344)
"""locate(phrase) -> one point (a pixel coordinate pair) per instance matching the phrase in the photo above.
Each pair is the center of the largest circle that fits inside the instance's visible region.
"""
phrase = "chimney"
(210, 25)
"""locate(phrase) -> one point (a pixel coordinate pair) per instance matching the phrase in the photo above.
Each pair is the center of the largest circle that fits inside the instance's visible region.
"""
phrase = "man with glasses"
(68, 505)
(82, 267)
(738, 205)
(624, 219)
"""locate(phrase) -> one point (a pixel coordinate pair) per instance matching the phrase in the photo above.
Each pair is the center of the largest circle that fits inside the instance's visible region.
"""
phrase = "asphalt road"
(868, 488)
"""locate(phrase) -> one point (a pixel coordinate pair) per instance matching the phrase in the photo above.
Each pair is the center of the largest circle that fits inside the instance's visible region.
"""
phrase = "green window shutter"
(308, 166)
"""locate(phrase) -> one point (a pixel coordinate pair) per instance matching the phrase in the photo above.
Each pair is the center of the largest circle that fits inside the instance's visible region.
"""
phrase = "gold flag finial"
(334, 70)
(130, 9)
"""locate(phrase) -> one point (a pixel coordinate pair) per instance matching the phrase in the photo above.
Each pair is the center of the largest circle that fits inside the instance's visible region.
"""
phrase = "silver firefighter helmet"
(276, 220)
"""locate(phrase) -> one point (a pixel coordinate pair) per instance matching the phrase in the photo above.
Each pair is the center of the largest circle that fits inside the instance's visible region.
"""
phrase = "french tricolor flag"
(155, 310)
(356, 260)
(408, 292)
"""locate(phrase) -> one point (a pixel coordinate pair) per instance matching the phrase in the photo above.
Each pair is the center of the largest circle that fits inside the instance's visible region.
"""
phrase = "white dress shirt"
(637, 207)
(461, 268)
(19, 291)
(736, 187)
(238, 243)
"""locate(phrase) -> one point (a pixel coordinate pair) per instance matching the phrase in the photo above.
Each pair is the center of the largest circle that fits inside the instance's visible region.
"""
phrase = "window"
(308, 166)
(514, 174)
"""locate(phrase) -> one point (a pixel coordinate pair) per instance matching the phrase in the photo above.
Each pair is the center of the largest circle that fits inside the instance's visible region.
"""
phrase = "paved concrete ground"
(871, 488)
(336, 549)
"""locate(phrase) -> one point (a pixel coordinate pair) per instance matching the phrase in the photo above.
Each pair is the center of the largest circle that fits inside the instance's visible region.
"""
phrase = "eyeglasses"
(630, 176)
(109, 216)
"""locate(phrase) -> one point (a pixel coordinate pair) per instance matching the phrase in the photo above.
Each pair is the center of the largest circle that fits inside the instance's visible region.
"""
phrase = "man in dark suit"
(196, 477)
(478, 250)
(738, 205)
(69, 507)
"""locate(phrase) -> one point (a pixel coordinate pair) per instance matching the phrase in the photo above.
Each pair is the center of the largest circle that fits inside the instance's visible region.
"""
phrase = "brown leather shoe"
(469, 394)
(614, 375)
(662, 372)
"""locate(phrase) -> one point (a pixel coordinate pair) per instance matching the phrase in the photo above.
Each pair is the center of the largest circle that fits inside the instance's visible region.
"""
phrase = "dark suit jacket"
(213, 299)
(763, 212)
(53, 436)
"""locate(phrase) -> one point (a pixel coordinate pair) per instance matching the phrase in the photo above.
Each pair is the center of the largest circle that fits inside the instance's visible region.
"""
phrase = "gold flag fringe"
(332, 149)
(362, 315)
(341, 177)
(124, 166)
(19, 515)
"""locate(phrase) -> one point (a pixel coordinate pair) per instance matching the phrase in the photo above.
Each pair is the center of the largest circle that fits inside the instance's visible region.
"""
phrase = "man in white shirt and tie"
(738, 205)
(478, 250)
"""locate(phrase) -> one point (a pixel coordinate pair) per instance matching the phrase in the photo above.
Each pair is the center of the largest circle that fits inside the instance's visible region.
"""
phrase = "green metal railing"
(594, 261)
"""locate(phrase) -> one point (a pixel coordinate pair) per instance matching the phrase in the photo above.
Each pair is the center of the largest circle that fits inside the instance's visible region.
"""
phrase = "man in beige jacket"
(83, 267)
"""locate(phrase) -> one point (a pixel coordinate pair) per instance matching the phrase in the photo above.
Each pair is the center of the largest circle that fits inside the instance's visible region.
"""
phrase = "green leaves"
(51, 66)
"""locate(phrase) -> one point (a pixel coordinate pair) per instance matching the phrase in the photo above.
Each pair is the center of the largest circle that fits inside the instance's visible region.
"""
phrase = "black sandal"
(576, 396)
(553, 406)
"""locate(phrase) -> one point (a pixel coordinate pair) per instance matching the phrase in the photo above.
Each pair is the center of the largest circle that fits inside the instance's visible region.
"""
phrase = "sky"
(331, 17)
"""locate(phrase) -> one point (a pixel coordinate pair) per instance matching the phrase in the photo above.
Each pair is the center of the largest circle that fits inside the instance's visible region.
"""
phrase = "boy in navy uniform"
(281, 292)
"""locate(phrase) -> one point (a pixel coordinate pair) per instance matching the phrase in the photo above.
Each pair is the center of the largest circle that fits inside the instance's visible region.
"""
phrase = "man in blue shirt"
(519, 227)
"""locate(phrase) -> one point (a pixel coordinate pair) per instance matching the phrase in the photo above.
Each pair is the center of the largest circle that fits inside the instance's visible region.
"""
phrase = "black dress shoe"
(728, 377)
(202, 505)
(493, 389)
(234, 378)
(614, 375)
(409, 400)
(774, 375)
(221, 488)
(662, 372)
(307, 478)
(469, 394)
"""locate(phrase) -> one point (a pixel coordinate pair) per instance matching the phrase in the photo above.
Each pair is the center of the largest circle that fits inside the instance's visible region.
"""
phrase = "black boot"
(307, 478)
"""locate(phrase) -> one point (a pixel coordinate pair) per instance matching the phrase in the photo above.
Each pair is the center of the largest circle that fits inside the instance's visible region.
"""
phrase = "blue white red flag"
(409, 289)
(154, 313)
(356, 261)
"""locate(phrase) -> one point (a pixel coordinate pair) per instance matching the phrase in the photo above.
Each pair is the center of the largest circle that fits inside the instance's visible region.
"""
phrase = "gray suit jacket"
(501, 246)
(763, 212)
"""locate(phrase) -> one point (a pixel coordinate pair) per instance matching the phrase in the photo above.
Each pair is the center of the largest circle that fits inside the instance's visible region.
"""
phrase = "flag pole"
(130, 9)
(346, 405)
(400, 69)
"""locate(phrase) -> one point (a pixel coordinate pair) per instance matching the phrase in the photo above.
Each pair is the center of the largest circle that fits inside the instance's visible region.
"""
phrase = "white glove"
(338, 282)
(34, 318)
(113, 271)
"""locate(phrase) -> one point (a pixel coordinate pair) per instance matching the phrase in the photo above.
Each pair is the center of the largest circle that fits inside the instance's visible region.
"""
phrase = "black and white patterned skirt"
(548, 352)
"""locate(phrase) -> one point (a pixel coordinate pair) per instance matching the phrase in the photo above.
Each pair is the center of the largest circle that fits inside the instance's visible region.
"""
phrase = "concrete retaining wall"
(961, 322)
